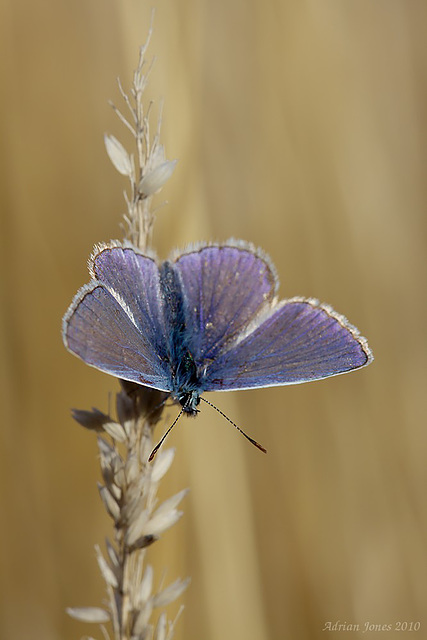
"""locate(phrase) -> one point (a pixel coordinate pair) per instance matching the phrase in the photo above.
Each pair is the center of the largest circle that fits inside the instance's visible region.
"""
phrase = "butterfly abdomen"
(183, 368)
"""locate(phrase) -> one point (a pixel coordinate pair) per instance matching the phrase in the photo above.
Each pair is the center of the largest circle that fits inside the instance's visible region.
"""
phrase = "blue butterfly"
(207, 319)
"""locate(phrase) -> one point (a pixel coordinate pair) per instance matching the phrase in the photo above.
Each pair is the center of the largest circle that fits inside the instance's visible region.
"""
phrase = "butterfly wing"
(299, 341)
(115, 323)
(224, 288)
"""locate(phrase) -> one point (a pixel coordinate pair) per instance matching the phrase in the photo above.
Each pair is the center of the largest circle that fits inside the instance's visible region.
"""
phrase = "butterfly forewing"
(299, 341)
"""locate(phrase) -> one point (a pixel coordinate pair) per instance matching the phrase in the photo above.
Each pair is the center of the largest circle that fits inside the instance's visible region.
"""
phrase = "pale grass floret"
(146, 585)
(118, 155)
(161, 464)
(116, 431)
(110, 502)
(129, 482)
(154, 180)
(88, 614)
(171, 593)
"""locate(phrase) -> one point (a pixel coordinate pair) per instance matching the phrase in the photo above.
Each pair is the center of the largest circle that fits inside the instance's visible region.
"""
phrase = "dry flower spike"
(130, 484)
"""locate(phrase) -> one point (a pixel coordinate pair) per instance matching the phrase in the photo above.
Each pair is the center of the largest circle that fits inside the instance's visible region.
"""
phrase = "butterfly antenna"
(157, 447)
(251, 440)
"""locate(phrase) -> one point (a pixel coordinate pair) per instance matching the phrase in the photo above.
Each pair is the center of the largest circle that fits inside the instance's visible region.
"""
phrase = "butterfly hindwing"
(224, 288)
(134, 279)
(116, 322)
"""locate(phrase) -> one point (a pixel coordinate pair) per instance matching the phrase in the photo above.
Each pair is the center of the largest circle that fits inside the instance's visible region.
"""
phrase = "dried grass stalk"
(130, 482)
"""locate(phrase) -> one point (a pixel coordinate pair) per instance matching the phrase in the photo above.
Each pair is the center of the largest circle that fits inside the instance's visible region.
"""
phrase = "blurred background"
(300, 126)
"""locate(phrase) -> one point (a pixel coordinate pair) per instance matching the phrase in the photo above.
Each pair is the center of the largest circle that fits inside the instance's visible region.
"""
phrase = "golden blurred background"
(300, 125)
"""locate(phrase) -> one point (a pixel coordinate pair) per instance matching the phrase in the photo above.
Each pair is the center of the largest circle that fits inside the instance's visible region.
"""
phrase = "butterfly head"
(189, 400)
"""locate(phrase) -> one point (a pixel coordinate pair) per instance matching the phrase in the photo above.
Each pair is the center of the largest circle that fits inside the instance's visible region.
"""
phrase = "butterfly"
(207, 319)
